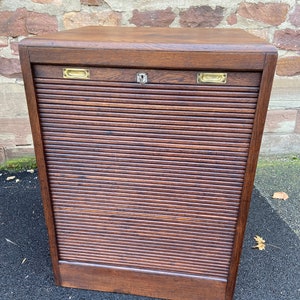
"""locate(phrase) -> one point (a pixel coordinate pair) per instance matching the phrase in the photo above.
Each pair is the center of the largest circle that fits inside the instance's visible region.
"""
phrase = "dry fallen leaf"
(10, 178)
(30, 171)
(260, 243)
(280, 195)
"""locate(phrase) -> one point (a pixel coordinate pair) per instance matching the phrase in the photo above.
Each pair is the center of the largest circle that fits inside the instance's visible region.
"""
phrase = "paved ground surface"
(25, 269)
(281, 174)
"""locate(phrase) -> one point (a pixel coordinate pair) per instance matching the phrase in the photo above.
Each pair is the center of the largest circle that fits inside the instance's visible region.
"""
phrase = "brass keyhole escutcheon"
(141, 78)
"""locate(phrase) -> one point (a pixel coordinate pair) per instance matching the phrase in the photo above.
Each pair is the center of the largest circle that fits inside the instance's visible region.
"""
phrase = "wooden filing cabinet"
(147, 142)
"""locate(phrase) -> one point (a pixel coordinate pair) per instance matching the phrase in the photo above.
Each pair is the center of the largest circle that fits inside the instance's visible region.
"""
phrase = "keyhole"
(141, 78)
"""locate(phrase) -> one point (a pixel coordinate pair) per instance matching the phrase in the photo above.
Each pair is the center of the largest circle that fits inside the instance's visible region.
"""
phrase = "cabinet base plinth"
(143, 283)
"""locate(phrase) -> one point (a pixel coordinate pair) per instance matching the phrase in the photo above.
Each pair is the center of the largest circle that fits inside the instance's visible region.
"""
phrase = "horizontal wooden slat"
(184, 233)
(204, 191)
(135, 58)
(82, 193)
(140, 95)
(163, 141)
(140, 100)
(207, 259)
(139, 243)
(200, 254)
(150, 261)
(160, 76)
(138, 118)
(151, 139)
(202, 182)
(221, 115)
(137, 225)
(69, 217)
(157, 212)
(234, 126)
(138, 252)
(144, 170)
(64, 202)
(147, 263)
(134, 154)
(208, 235)
(69, 125)
(157, 88)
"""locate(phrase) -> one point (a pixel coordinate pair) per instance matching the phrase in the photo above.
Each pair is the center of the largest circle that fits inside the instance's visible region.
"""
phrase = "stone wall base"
(8, 153)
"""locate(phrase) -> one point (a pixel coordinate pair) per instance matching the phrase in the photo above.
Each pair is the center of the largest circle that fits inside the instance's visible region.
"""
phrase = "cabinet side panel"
(258, 127)
(39, 152)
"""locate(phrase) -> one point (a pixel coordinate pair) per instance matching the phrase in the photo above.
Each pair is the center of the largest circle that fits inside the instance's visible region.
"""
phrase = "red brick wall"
(276, 21)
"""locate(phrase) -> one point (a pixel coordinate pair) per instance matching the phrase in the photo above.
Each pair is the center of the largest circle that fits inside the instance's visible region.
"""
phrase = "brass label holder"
(211, 77)
(76, 73)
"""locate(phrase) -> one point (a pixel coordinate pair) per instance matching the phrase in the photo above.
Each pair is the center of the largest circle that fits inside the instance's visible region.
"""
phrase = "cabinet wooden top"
(145, 38)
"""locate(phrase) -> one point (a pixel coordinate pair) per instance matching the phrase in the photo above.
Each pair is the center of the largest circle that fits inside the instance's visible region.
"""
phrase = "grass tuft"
(19, 164)
(284, 160)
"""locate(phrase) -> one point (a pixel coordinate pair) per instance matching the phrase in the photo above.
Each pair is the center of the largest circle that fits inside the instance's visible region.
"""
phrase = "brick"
(10, 67)
(287, 39)
(13, 23)
(201, 16)
(22, 22)
(288, 66)
(281, 121)
(39, 23)
(231, 19)
(92, 2)
(297, 127)
(295, 16)
(268, 13)
(103, 18)
(154, 18)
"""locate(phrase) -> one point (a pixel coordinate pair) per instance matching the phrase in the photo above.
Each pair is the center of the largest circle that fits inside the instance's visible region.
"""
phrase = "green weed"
(19, 164)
